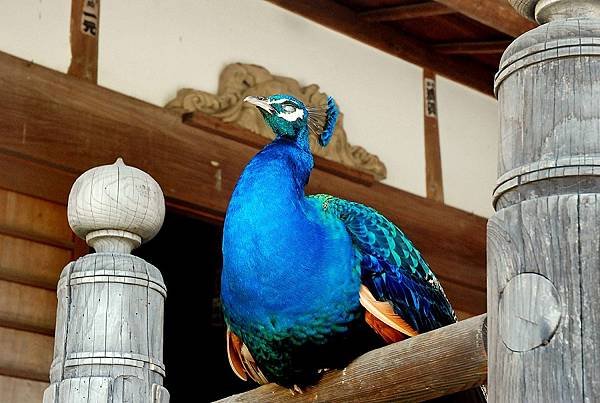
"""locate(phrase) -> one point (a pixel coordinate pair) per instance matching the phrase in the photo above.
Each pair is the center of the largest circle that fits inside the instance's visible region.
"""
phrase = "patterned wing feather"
(392, 269)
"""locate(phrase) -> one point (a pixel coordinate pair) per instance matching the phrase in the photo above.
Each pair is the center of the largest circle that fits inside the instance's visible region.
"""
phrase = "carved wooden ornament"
(239, 80)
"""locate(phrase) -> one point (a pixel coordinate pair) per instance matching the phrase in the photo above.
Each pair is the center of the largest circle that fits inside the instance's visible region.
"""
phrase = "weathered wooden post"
(544, 239)
(109, 326)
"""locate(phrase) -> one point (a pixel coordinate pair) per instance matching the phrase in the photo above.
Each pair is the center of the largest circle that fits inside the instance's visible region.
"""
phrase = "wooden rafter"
(342, 19)
(406, 12)
(497, 14)
(472, 48)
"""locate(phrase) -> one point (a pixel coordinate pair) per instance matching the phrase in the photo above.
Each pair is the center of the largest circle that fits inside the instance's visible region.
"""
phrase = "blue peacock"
(311, 282)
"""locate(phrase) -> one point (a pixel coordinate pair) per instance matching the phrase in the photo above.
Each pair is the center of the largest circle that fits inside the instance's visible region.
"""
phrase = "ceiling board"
(366, 5)
(447, 28)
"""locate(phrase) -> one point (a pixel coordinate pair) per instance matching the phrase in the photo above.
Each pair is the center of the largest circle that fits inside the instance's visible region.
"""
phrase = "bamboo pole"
(434, 364)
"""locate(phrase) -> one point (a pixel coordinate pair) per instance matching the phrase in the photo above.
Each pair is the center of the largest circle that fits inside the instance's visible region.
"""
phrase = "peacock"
(309, 282)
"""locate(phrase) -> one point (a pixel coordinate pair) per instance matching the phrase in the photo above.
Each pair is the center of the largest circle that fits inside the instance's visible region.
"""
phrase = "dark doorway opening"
(188, 253)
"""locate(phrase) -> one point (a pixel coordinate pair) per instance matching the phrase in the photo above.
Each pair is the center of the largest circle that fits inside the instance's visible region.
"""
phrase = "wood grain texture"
(32, 263)
(27, 308)
(27, 215)
(544, 11)
(543, 241)
(24, 354)
(85, 30)
(33, 178)
(97, 125)
(390, 40)
(17, 390)
(497, 14)
(472, 48)
(524, 327)
(109, 324)
(406, 12)
(427, 366)
(115, 207)
(434, 182)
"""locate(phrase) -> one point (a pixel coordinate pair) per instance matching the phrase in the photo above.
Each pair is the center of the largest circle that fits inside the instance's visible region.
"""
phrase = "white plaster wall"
(149, 49)
(37, 30)
(469, 130)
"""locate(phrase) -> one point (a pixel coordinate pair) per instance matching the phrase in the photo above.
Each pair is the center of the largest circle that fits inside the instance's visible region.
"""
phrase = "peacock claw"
(296, 389)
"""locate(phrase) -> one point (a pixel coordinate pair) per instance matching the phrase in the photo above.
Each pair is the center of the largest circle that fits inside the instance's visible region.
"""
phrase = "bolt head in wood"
(116, 199)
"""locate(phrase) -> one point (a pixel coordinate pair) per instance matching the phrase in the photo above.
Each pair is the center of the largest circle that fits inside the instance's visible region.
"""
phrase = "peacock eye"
(288, 108)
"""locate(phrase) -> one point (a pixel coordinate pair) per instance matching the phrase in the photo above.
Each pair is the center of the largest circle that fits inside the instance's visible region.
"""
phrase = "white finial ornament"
(108, 344)
(116, 207)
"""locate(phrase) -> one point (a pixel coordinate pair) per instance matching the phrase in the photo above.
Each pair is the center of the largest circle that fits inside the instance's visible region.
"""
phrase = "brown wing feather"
(234, 347)
(382, 318)
(241, 361)
(388, 334)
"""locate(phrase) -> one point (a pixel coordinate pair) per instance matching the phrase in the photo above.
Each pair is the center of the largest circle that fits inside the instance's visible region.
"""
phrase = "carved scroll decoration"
(239, 80)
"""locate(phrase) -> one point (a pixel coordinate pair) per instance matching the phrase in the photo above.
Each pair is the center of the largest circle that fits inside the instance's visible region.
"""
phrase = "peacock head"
(289, 118)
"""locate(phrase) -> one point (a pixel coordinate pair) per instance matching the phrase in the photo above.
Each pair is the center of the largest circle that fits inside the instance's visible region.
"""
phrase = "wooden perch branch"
(434, 364)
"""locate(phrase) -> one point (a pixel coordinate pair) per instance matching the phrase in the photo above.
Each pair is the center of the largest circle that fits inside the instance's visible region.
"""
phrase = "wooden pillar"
(109, 325)
(433, 158)
(544, 239)
(85, 30)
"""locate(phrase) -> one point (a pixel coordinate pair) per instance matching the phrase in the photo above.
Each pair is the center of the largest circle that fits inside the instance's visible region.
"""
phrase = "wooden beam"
(497, 14)
(25, 354)
(431, 365)
(37, 220)
(472, 48)
(406, 12)
(242, 135)
(27, 308)
(31, 263)
(85, 29)
(28, 177)
(342, 19)
(21, 390)
(433, 158)
(95, 125)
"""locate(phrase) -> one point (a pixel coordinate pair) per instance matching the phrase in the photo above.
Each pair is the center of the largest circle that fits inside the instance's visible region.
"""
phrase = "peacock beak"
(261, 103)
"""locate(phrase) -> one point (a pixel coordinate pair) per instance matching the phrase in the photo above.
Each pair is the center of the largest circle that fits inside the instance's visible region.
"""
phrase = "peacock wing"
(399, 290)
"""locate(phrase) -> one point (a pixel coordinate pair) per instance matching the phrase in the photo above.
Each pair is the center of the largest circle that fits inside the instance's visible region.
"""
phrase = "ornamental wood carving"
(239, 80)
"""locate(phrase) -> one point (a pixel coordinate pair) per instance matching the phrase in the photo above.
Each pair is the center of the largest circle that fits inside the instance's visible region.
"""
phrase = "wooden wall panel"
(30, 262)
(17, 390)
(34, 178)
(25, 354)
(95, 125)
(35, 244)
(20, 214)
(27, 308)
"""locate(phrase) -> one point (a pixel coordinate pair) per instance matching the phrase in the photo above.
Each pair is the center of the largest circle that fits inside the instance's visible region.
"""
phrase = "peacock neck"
(284, 165)
(271, 188)
(300, 139)
(280, 254)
